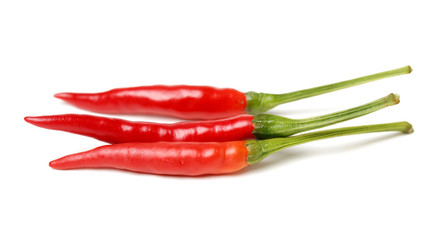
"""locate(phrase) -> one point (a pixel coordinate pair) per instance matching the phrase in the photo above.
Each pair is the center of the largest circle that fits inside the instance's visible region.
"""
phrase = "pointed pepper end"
(28, 119)
(37, 121)
(32, 120)
(64, 96)
(55, 164)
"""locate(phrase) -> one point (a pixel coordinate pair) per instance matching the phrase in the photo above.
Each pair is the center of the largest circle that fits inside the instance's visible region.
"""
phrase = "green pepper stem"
(259, 149)
(261, 102)
(270, 126)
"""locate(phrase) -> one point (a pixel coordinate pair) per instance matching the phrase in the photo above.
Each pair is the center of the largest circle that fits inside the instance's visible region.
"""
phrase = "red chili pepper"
(191, 159)
(230, 129)
(200, 102)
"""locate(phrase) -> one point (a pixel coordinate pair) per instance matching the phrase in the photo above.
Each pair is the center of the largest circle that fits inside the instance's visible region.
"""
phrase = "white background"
(375, 186)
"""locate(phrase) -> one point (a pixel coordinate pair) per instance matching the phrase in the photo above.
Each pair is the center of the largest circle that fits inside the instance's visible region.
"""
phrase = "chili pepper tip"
(31, 120)
(53, 164)
(63, 96)
(59, 164)
(34, 120)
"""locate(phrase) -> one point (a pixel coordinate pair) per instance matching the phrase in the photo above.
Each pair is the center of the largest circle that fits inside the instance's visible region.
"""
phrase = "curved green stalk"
(261, 102)
(259, 149)
(269, 126)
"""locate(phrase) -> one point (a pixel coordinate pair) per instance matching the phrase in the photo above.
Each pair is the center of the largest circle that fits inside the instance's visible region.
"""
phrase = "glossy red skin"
(169, 158)
(181, 101)
(114, 130)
